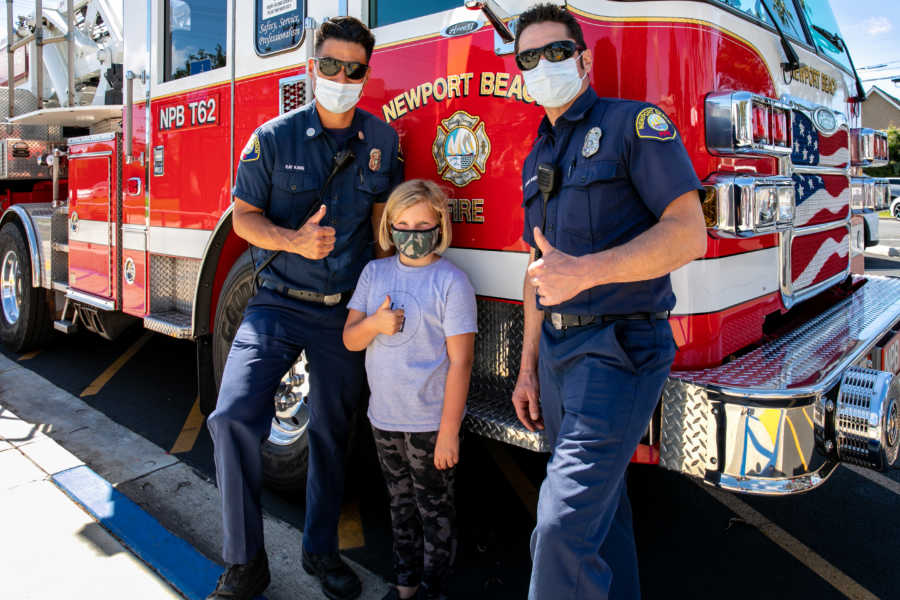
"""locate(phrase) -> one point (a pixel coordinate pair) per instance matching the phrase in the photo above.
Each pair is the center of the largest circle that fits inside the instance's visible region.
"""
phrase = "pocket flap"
(293, 182)
(373, 183)
(594, 171)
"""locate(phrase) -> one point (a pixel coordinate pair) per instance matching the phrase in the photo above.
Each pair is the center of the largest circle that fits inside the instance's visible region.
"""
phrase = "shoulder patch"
(251, 151)
(653, 124)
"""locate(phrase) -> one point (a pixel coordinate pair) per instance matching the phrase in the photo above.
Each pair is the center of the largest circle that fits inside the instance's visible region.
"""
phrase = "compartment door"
(92, 214)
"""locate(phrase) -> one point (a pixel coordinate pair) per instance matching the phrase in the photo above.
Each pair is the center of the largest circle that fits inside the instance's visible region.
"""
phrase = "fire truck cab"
(125, 122)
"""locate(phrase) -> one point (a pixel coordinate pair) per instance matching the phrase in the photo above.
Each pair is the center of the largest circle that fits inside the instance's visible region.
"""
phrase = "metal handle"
(139, 186)
(129, 113)
(495, 14)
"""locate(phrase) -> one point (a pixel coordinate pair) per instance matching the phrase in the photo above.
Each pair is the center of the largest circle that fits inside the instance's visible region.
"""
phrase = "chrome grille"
(866, 418)
(291, 93)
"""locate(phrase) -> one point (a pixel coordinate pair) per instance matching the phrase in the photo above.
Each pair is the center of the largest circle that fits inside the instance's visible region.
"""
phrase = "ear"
(587, 60)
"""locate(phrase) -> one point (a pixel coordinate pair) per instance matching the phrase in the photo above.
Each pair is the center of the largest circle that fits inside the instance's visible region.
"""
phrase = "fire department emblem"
(374, 159)
(591, 142)
(129, 271)
(73, 222)
(461, 148)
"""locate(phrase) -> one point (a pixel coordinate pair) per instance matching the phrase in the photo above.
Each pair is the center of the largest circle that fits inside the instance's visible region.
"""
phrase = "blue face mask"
(416, 243)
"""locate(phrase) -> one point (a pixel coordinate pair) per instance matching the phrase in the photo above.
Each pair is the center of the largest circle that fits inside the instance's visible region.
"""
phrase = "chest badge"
(591, 142)
(461, 148)
(374, 159)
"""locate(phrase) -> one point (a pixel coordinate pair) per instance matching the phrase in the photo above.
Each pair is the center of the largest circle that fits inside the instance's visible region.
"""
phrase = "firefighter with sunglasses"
(611, 208)
(309, 191)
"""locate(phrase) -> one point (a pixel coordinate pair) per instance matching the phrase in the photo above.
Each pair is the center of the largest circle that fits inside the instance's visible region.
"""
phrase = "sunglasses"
(331, 66)
(554, 52)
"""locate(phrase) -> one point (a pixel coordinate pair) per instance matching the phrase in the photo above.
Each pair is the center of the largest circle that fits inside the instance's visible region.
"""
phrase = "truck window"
(818, 13)
(279, 25)
(385, 12)
(783, 10)
(195, 37)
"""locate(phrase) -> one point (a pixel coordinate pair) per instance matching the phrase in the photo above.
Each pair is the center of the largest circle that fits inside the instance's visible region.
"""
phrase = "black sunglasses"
(554, 52)
(331, 66)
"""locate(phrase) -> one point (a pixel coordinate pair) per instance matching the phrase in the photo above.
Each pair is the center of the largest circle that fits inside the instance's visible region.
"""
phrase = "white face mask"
(337, 97)
(553, 84)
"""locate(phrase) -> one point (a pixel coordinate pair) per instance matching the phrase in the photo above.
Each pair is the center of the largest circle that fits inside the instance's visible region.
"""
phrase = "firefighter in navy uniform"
(611, 208)
(282, 178)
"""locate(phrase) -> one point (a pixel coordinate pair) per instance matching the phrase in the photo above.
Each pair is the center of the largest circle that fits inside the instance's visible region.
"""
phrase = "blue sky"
(871, 29)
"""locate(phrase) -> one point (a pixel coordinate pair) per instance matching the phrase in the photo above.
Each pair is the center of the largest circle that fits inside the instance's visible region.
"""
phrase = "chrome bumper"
(774, 421)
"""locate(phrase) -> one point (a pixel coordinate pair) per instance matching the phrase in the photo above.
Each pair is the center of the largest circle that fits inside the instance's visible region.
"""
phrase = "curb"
(176, 561)
(881, 250)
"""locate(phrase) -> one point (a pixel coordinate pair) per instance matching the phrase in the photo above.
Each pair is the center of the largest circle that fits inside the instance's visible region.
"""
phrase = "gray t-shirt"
(407, 371)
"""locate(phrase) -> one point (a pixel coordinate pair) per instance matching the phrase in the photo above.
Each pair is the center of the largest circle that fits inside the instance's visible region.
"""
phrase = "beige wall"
(878, 113)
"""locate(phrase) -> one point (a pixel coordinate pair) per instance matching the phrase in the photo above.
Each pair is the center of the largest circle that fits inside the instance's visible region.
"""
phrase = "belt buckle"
(331, 299)
(556, 319)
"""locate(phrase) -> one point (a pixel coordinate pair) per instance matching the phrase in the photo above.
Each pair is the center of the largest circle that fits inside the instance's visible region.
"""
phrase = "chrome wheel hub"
(291, 409)
(10, 287)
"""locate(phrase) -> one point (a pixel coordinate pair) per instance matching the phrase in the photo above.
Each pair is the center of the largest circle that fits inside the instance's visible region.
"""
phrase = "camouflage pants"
(423, 512)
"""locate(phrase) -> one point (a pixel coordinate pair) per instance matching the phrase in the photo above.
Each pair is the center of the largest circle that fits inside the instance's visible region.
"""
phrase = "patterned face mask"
(416, 243)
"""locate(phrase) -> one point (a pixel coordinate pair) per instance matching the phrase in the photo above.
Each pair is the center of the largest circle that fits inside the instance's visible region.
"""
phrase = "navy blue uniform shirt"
(619, 164)
(282, 170)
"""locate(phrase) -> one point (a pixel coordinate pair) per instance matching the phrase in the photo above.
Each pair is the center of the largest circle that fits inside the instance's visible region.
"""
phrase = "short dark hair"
(550, 13)
(348, 29)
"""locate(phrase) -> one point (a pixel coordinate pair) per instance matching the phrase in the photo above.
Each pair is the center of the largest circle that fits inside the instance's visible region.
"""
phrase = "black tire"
(896, 210)
(284, 464)
(24, 314)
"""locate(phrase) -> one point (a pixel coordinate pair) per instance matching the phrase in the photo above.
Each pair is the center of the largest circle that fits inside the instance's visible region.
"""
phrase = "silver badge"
(310, 132)
(591, 142)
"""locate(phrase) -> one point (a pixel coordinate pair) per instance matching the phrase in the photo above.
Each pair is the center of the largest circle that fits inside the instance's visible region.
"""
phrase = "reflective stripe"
(172, 241)
(90, 232)
(492, 272)
(134, 237)
(714, 284)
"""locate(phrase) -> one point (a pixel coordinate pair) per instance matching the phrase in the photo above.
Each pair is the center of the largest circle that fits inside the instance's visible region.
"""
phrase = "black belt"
(564, 321)
(305, 295)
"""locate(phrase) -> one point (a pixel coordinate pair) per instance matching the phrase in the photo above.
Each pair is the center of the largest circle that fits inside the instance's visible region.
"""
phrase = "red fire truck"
(125, 122)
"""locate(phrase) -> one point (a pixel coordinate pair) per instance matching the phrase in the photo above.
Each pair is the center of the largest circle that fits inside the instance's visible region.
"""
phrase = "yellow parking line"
(29, 355)
(350, 531)
(818, 565)
(808, 420)
(112, 369)
(189, 431)
(525, 490)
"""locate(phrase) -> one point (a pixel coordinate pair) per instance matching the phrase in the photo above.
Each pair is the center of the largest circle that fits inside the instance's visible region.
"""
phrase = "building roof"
(895, 102)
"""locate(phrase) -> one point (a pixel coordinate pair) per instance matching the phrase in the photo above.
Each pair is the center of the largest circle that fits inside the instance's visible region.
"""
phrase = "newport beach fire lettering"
(500, 85)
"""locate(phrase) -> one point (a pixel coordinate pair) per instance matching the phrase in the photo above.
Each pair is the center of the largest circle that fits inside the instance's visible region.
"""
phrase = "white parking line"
(806, 555)
(875, 477)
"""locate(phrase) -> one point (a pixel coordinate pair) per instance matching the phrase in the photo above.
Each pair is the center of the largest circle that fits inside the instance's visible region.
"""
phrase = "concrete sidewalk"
(51, 547)
(153, 489)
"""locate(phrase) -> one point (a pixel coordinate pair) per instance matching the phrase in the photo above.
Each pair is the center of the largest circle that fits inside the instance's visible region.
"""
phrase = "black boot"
(243, 582)
(339, 582)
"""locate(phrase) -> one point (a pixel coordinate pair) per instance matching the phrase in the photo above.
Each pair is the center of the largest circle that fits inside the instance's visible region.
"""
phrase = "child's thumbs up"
(386, 303)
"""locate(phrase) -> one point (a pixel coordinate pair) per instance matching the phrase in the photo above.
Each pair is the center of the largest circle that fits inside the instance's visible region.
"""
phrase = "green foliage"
(892, 169)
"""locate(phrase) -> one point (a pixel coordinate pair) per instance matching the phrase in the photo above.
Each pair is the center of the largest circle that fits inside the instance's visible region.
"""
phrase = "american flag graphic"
(818, 256)
(817, 149)
(821, 199)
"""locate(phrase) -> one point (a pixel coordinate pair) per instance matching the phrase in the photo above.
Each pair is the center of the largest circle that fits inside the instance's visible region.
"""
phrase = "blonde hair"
(407, 194)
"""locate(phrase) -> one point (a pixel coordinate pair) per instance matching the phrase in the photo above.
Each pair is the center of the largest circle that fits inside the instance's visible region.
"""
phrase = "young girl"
(414, 313)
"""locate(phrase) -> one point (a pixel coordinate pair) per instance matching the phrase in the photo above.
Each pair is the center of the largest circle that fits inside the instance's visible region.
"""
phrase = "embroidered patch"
(374, 159)
(591, 142)
(653, 124)
(251, 150)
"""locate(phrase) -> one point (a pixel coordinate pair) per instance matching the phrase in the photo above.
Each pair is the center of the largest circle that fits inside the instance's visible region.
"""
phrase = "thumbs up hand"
(312, 240)
(386, 320)
(556, 276)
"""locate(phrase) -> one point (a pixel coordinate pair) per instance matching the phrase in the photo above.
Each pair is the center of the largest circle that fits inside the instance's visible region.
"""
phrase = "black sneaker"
(243, 582)
(339, 582)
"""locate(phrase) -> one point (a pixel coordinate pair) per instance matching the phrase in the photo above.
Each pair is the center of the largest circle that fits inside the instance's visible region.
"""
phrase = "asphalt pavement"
(838, 541)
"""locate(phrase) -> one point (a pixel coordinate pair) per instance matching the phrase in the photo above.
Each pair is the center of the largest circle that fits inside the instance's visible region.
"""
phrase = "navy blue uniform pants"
(599, 387)
(274, 331)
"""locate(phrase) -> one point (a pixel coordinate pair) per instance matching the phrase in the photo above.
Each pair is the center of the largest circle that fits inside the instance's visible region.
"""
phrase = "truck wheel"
(24, 316)
(285, 453)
